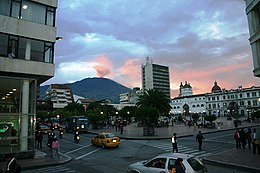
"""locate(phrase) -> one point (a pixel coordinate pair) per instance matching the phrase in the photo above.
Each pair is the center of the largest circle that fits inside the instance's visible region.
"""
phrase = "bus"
(73, 122)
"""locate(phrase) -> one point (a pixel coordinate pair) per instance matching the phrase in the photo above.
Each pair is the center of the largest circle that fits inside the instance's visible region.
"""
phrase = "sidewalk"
(235, 158)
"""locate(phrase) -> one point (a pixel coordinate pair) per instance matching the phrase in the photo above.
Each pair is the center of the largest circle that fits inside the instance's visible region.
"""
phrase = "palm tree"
(156, 99)
(152, 104)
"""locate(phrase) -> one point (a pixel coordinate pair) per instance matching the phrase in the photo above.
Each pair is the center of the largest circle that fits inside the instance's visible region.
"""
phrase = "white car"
(160, 164)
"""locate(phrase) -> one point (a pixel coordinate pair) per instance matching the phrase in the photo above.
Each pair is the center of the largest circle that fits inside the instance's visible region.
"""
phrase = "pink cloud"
(130, 73)
(103, 69)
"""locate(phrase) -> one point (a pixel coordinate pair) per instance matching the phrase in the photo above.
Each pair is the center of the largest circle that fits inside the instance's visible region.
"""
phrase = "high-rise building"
(253, 16)
(27, 38)
(155, 76)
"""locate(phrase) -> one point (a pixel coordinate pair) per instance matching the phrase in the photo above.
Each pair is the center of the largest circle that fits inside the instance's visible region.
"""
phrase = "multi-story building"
(60, 95)
(27, 38)
(155, 76)
(219, 102)
(253, 16)
(130, 97)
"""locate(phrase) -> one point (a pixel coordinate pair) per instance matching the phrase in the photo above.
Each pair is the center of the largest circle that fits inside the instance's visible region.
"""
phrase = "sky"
(201, 41)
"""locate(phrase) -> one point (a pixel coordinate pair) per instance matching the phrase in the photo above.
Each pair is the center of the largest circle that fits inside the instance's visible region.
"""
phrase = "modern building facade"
(253, 16)
(27, 38)
(219, 102)
(155, 76)
(60, 95)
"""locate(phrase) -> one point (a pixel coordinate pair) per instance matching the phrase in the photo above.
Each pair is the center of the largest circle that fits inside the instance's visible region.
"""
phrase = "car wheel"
(103, 146)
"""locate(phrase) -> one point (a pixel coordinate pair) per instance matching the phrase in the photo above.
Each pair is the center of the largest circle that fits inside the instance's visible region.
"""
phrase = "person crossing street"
(199, 139)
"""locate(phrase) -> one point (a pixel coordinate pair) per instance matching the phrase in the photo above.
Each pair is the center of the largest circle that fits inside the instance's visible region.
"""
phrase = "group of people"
(250, 138)
(199, 138)
(53, 145)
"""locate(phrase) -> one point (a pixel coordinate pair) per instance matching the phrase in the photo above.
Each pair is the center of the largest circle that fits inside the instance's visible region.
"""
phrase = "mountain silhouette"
(97, 88)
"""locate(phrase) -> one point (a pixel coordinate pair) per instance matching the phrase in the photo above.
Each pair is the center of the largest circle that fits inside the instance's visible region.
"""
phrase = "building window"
(249, 103)
(3, 44)
(224, 97)
(33, 12)
(248, 94)
(242, 103)
(15, 8)
(5, 7)
(48, 52)
(202, 105)
(254, 102)
(13, 47)
(50, 16)
(213, 98)
(240, 95)
(37, 50)
(253, 94)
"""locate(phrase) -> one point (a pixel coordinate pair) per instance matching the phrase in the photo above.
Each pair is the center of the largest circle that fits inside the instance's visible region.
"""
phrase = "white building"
(60, 94)
(219, 102)
(155, 76)
(27, 38)
(130, 97)
(253, 16)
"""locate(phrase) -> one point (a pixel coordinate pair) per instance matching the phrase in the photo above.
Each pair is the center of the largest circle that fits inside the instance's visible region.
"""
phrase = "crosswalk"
(185, 149)
(52, 169)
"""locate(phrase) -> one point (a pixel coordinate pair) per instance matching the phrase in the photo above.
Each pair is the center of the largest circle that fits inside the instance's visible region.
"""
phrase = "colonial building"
(27, 38)
(219, 102)
(155, 76)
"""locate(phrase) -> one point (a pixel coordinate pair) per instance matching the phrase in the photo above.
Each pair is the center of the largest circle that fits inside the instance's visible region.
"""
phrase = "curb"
(236, 166)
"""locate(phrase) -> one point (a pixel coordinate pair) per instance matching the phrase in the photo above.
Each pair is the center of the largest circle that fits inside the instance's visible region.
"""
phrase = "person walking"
(248, 136)
(255, 141)
(180, 168)
(242, 135)
(199, 139)
(39, 139)
(174, 143)
(12, 165)
(237, 139)
(55, 148)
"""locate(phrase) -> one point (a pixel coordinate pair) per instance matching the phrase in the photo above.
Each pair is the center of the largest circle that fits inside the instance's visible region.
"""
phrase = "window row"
(233, 96)
(15, 47)
(27, 10)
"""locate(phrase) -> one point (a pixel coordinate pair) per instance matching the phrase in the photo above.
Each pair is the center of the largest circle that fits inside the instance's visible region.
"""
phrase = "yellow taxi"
(106, 140)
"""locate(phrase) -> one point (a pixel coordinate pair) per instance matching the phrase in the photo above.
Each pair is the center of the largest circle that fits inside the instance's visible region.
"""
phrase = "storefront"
(17, 116)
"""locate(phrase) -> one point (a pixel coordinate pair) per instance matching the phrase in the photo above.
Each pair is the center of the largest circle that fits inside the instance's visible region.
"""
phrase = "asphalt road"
(92, 159)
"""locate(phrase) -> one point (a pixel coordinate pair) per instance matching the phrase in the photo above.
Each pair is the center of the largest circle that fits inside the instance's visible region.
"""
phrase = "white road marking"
(77, 149)
(87, 154)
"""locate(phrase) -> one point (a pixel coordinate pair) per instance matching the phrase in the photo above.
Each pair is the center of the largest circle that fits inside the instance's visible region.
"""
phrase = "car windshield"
(110, 135)
(196, 164)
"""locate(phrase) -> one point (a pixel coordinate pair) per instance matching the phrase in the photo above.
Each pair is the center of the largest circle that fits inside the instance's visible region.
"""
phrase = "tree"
(195, 116)
(76, 108)
(147, 115)
(156, 99)
(256, 115)
(95, 117)
(210, 118)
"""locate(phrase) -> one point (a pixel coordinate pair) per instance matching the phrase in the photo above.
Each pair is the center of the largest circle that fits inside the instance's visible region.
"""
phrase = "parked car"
(44, 129)
(162, 162)
(106, 140)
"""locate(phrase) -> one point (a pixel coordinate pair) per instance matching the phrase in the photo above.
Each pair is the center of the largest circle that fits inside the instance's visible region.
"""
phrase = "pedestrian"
(12, 165)
(55, 148)
(242, 135)
(172, 169)
(248, 136)
(199, 139)
(237, 139)
(255, 141)
(180, 168)
(174, 143)
(39, 139)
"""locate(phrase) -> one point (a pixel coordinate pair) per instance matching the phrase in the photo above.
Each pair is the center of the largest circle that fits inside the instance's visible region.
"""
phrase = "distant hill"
(97, 88)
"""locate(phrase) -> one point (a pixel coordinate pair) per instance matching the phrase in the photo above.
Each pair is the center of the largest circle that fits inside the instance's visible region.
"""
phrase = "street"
(92, 159)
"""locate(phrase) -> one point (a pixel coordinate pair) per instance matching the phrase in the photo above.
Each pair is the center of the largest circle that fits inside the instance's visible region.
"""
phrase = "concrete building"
(155, 76)
(60, 95)
(130, 97)
(253, 16)
(27, 38)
